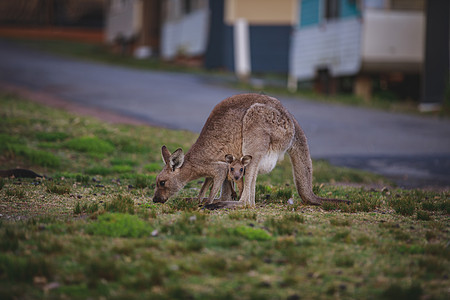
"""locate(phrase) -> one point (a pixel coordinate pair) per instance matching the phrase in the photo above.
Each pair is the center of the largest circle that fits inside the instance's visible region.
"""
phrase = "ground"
(89, 229)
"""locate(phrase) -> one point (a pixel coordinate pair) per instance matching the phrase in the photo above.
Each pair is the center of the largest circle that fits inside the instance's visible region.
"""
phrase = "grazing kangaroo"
(246, 124)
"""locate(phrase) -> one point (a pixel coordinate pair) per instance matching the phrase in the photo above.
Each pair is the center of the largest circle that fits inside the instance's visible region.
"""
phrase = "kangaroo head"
(236, 167)
(170, 180)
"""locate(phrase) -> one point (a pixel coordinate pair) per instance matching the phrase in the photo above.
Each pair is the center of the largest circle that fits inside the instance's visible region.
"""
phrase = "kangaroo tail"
(302, 169)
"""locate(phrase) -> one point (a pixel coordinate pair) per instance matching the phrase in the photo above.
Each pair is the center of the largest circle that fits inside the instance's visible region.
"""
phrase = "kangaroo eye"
(162, 183)
(232, 169)
(241, 169)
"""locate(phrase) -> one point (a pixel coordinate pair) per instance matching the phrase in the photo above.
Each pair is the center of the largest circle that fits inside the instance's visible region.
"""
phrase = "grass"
(90, 144)
(119, 225)
(90, 230)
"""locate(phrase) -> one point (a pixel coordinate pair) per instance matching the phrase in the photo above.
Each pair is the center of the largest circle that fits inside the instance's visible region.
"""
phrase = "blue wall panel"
(349, 9)
(309, 12)
(229, 48)
(215, 49)
(269, 48)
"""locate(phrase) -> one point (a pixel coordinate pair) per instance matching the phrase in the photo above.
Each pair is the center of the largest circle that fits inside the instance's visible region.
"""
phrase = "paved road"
(413, 150)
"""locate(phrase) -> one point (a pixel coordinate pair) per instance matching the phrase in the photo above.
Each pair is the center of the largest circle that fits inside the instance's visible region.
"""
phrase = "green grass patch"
(119, 225)
(141, 181)
(121, 169)
(120, 203)
(59, 188)
(24, 269)
(84, 179)
(283, 226)
(404, 206)
(251, 233)
(90, 144)
(6, 140)
(12, 147)
(99, 170)
(154, 167)
(423, 215)
(15, 192)
(117, 161)
(51, 136)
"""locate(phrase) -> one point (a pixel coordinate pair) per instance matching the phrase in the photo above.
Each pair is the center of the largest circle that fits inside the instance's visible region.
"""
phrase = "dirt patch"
(70, 34)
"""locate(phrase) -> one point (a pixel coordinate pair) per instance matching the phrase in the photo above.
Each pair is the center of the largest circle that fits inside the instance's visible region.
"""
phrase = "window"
(332, 10)
(187, 7)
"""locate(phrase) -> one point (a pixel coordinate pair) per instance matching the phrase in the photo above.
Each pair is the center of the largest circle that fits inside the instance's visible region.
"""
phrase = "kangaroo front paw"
(222, 204)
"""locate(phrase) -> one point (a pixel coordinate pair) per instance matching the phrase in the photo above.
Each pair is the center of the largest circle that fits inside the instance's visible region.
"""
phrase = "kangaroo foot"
(223, 204)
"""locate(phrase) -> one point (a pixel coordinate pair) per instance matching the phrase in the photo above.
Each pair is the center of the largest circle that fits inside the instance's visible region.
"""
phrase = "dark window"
(331, 9)
(187, 6)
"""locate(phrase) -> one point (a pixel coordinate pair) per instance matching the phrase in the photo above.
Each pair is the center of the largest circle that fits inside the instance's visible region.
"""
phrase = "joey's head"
(170, 180)
(236, 167)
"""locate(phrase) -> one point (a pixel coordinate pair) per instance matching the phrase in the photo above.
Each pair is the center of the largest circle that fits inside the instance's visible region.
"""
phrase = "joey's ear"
(165, 154)
(245, 160)
(229, 158)
(176, 160)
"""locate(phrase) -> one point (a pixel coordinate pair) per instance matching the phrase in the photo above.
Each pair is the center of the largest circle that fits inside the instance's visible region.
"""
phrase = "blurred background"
(391, 55)
(383, 48)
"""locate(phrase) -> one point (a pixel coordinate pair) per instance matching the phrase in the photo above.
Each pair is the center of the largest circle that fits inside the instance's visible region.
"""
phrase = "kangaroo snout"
(157, 199)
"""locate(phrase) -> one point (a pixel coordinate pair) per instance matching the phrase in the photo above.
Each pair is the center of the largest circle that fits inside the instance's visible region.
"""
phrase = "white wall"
(123, 18)
(393, 37)
(187, 35)
(333, 45)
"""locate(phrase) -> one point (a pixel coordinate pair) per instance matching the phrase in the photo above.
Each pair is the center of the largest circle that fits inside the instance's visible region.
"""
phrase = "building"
(251, 34)
(52, 13)
(364, 45)
(134, 26)
(360, 46)
(185, 28)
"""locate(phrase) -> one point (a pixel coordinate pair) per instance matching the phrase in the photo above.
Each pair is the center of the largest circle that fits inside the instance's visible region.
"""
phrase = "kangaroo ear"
(165, 154)
(176, 160)
(229, 158)
(245, 160)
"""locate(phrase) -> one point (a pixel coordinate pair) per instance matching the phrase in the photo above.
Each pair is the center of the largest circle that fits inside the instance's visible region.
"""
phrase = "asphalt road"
(413, 150)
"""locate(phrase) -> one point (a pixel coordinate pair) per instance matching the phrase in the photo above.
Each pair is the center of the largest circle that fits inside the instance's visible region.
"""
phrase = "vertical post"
(436, 62)
(242, 49)
(292, 84)
(363, 87)
(143, 49)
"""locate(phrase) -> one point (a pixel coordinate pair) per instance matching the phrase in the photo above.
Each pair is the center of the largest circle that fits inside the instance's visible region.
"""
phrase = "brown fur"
(236, 171)
(246, 124)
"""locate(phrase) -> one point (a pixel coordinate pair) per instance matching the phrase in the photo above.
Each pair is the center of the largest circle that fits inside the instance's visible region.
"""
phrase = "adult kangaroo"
(246, 124)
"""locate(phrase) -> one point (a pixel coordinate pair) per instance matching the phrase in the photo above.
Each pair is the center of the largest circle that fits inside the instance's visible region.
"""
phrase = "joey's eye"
(241, 169)
(162, 183)
(232, 169)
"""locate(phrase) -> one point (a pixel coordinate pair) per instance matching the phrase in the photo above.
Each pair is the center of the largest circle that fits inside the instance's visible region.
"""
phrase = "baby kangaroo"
(236, 171)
